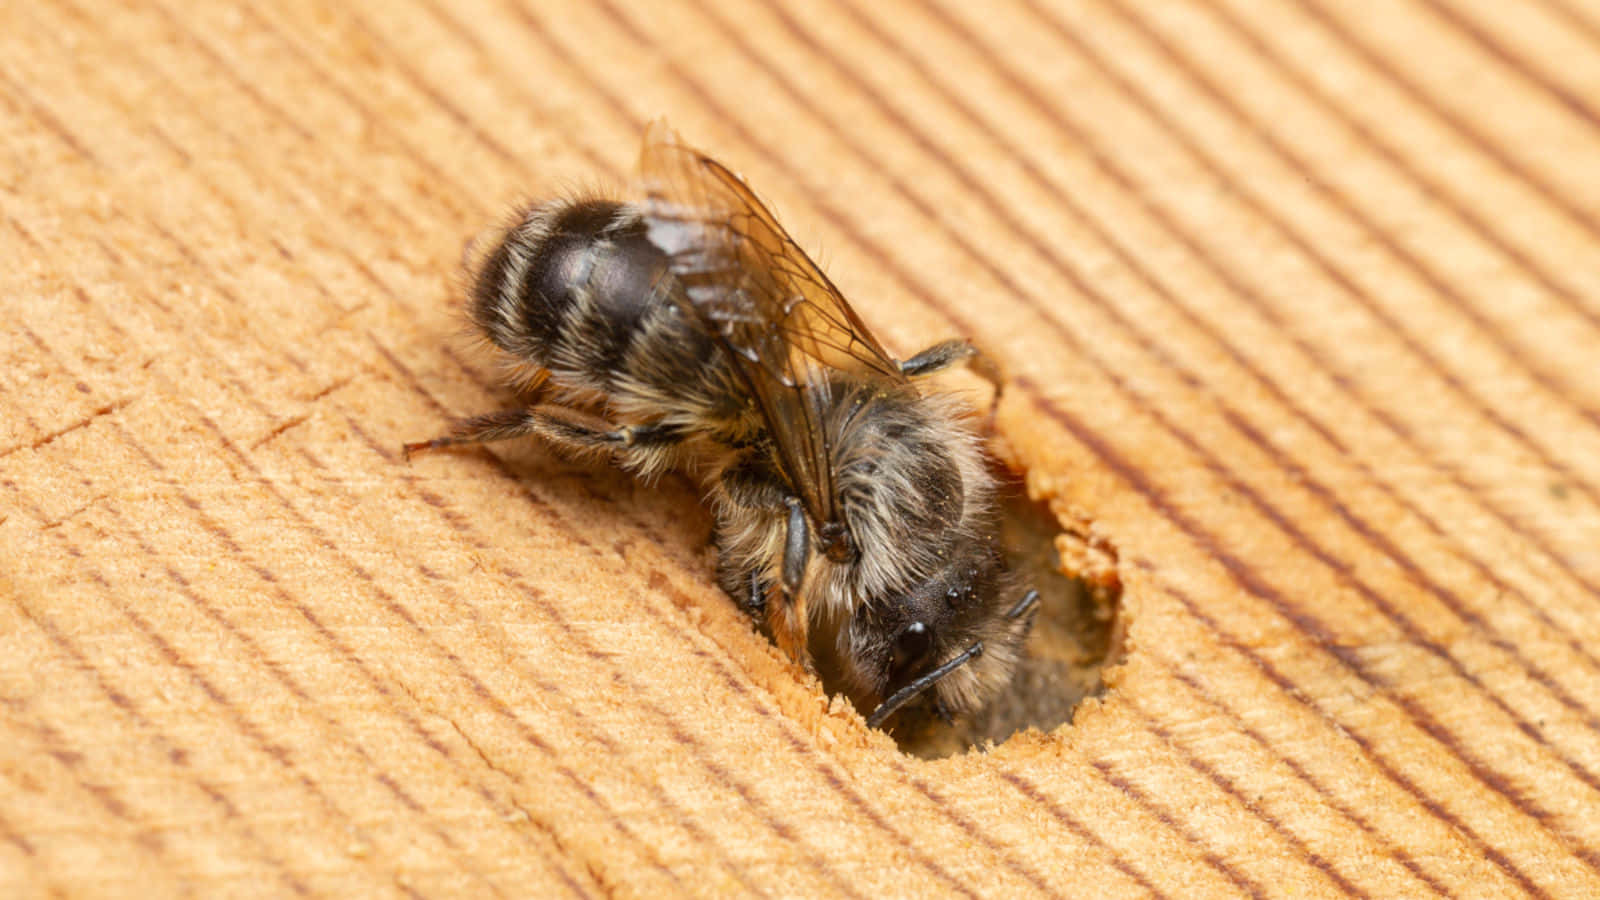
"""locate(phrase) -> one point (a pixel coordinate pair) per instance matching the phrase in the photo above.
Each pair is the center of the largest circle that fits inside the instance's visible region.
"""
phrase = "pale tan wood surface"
(1301, 300)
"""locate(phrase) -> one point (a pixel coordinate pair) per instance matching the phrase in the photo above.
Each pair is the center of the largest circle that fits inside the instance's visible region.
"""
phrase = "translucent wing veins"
(787, 329)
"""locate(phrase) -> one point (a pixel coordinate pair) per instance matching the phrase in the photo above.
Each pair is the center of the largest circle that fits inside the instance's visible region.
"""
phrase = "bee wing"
(783, 322)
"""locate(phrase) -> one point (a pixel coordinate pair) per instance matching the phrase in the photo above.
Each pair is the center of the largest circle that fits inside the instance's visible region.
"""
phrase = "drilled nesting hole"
(1073, 639)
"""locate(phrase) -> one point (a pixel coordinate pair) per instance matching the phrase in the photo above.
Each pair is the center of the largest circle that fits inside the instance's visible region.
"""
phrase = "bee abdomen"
(570, 289)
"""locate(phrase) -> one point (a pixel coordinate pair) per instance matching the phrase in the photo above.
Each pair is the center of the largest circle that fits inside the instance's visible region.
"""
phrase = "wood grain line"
(1574, 19)
(1336, 275)
(1364, 823)
(1456, 122)
(1247, 579)
(281, 755)
(1530, 71)
(1075, 824)
(1430, 187)
(81, 661)
(1208, 771)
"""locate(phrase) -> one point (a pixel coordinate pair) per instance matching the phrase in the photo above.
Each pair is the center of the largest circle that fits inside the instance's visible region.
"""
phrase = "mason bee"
(855, 516)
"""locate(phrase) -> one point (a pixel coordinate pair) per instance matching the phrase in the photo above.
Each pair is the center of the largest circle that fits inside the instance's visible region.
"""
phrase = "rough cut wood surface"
(1302, 303)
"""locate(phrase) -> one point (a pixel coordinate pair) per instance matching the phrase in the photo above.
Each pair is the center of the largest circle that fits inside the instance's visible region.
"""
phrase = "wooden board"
(1301, 301)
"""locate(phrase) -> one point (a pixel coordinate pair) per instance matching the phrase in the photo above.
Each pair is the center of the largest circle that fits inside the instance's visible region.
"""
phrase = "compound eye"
(911, 649)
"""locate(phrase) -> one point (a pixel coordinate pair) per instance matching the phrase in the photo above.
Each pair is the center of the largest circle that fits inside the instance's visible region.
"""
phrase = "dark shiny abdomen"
(580, 290)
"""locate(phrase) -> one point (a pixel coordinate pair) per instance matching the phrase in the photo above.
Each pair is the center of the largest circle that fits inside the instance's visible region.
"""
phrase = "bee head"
(951, 640)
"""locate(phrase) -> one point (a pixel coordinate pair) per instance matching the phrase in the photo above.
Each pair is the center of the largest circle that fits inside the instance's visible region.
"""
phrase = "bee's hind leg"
(565, 428)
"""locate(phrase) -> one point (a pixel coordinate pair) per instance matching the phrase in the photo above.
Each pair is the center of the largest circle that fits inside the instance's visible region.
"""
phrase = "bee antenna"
(908, 693)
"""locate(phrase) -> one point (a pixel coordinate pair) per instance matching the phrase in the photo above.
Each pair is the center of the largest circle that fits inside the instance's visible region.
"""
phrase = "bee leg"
(496, 426)
(565, 428)
(945, 354)
(796, 547)
(787, 620)
(751, 486)
(755, 603)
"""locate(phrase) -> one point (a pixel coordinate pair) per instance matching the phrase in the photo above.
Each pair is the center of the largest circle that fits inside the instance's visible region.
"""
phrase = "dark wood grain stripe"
(1313, 254)
(1207, 770)
(1264, 48)
(1163, 811)
(10, 834)
(155, 734)
(1218, 705)
(1428, 185)
(281, 755)
(1075, 824)
(1530, 72)
(1245, 577)
(1574, 19)
(1460, 124)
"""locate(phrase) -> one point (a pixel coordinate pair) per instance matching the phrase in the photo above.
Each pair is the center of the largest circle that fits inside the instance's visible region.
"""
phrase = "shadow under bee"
(1073, 639)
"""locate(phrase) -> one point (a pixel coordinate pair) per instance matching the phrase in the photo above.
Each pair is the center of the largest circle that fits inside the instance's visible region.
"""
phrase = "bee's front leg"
(755, 602)
(945, 354)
